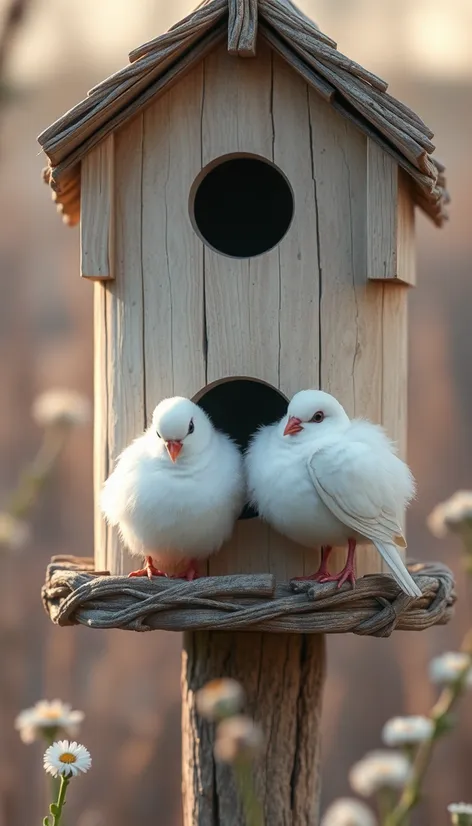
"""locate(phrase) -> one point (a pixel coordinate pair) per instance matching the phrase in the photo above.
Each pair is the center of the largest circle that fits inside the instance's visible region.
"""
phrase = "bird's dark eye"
(158, 435)
(191, 426)
(318, 417)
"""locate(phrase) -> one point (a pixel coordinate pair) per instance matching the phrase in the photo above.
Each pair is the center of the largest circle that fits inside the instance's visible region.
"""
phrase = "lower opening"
(238, 407)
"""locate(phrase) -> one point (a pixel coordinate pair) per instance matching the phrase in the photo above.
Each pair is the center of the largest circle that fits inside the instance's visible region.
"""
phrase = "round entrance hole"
(238, 407)
(241, 206)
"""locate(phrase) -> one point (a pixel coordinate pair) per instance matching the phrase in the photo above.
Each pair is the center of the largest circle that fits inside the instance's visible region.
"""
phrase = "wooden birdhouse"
(246, 197)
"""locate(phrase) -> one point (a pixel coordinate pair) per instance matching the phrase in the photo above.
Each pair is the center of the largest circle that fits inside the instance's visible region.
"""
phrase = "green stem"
(37, 474)
(53, 785)
(35, 477)
(61, 799)
(254, 814)
(385, 804)
(440, 711)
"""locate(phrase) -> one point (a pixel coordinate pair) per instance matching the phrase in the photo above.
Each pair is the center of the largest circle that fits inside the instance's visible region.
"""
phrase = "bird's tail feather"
(391, 556)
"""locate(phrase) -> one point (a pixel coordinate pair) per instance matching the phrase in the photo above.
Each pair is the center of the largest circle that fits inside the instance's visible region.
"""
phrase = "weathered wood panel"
(406, 248)
(262, 317)
(123, 369)
(390, 220)
(382, 199)
(97, 207)
(172, 253)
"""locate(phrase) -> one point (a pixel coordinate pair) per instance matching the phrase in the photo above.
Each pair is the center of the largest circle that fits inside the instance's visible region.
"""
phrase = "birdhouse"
(246, 196)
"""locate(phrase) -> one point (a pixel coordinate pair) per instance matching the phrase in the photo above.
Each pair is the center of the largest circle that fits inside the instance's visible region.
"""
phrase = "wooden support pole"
(282, 675)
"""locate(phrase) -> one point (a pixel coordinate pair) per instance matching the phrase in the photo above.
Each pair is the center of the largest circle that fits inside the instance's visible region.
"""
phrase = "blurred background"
(128, 684)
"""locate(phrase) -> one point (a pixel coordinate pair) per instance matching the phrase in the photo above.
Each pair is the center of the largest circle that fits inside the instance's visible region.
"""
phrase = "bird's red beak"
(293, 426)
(173, 449)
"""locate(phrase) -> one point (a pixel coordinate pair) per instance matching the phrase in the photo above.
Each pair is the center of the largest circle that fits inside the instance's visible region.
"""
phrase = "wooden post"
(283, 676)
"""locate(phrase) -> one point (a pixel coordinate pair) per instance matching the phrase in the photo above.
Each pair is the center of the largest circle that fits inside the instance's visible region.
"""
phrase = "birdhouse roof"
(354, 92)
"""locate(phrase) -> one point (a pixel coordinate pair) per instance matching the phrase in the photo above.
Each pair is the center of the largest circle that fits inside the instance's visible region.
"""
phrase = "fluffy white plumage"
(323, 480)
(177, 490)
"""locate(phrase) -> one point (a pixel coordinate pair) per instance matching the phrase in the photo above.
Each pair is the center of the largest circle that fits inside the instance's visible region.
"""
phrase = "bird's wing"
(357, 484)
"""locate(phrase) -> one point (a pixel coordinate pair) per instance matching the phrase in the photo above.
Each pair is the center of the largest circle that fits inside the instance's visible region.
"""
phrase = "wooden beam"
(97, 212)
(390, 219)
(242, 27)
(406, 248)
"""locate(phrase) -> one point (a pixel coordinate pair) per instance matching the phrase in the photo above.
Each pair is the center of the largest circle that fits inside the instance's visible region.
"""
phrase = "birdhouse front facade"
(246, 197)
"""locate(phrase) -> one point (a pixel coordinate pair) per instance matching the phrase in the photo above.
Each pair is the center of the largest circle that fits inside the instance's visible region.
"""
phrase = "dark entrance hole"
(238, 407)
(242, 206)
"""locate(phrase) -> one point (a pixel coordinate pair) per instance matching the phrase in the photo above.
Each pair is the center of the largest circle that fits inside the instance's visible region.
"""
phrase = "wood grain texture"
(97, 206)
(273, 335)
(382, 195)
(242, 27)
(406, 250)
(100, 421)
(390, 219)
(172, 253)
(283, 677)
(123, 324)
(395, 369)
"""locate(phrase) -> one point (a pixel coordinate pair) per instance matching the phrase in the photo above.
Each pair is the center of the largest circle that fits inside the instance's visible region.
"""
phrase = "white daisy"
(407, 731)
(61, 408)
(447, 668)
(451, 515)
(68, 759)
(220, 698)
(460, 808)
(48, 718)
(14, 533)
(347, 811)
(379, 770)
(461, 813)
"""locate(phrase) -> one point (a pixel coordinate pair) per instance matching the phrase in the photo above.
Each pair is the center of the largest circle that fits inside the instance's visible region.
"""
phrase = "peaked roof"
(354, 92)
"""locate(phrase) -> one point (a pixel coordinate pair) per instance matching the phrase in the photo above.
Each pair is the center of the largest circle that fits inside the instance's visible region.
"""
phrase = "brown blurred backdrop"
(128, 684)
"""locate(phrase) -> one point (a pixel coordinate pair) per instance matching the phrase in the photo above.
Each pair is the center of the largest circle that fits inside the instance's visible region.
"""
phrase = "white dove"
(176, 491)
(324, 480)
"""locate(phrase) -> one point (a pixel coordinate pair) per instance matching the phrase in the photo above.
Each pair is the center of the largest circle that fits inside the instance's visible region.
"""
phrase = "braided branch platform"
(76, 594)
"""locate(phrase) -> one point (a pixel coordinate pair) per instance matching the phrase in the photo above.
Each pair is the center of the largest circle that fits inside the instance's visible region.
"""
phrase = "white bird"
(176, 491)
(324, 480)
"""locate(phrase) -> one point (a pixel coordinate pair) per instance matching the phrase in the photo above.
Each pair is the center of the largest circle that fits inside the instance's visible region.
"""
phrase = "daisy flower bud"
(348, 811)
(407, 731)
(220, 698)
(237, 738)
(379, 770)
(451, 515)
(449, 667)
(14, 533)
(461, 814)
(61, 408)
(66, 759)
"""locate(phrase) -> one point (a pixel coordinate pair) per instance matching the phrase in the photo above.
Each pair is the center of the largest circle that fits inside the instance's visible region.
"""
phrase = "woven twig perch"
(75, 594)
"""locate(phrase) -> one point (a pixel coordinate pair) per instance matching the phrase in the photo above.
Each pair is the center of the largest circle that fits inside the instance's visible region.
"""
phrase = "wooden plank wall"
(302, 314)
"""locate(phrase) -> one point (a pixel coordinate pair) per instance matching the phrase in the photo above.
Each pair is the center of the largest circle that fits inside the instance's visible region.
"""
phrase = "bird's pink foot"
(348, 573)
(322, 572)
(149, 570)
(191, 572)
